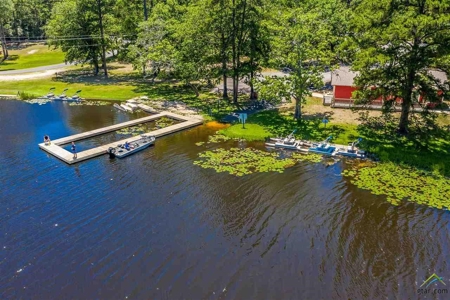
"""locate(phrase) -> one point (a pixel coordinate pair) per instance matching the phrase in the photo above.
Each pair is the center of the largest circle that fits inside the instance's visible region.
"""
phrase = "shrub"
(26, 96)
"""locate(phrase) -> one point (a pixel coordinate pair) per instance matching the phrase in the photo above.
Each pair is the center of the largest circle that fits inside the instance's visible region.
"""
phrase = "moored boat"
(119, 107)
(132, 101)
(50, 95)
(126, 107)
(75, 97)
(324, 148)
(61, 97)
(127, 149)
(133, 106)
(351, 151)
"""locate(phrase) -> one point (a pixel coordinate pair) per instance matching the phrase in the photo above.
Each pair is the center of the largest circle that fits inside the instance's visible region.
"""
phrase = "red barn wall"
(343, 92)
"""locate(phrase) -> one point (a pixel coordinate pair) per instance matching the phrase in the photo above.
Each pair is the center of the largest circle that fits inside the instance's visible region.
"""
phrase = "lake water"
(155, 226)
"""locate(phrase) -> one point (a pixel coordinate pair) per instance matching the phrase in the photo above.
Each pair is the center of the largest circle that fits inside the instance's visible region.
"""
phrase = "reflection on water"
(154, 226)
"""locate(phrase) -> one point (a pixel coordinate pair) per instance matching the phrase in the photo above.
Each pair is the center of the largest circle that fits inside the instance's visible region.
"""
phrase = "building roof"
(439, 75)
(345, 77)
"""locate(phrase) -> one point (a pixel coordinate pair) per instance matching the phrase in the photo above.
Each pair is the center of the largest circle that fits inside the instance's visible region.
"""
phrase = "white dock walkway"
(56, 150)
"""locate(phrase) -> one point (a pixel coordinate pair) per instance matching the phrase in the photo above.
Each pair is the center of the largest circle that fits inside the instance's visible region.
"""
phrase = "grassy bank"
(31, 57)
(39, 87)
(387, 146)
(311, 128)
(251, 132)
(119, 86)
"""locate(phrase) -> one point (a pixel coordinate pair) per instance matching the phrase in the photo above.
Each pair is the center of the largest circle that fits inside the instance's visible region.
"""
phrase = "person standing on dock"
(74, 150)
(47, 140)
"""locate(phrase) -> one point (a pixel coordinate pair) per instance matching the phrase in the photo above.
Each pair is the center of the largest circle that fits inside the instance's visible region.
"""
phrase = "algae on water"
(134, 131)
(401, 183)
(240, 162)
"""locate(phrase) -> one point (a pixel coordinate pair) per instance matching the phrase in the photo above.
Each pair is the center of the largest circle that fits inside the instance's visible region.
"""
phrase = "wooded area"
(392, 43)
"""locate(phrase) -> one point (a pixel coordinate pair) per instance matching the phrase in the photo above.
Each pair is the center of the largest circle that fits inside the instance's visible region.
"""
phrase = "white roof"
(345, 77)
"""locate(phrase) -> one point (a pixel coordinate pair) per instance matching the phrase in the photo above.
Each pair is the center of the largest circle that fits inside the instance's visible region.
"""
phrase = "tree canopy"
(396, 44)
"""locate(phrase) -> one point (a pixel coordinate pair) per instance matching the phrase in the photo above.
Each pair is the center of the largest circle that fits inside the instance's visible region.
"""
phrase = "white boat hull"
(120, 151)
(126, 107)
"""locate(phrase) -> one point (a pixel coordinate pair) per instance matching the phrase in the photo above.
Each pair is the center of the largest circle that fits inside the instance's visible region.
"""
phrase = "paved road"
(35, 70)
(41, 69)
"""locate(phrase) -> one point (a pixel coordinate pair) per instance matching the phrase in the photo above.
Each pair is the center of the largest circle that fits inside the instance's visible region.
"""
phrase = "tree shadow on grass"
(309, 128)
(387, 145)
(10, 62)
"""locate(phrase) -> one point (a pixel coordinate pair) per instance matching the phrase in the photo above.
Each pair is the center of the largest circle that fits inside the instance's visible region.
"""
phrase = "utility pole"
(103, 37)
(145, 10)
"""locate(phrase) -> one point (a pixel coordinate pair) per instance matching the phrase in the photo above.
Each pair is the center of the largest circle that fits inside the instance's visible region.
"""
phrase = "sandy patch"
(32, 51)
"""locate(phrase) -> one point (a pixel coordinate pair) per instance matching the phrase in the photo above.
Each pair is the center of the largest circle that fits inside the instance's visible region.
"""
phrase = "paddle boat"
(127, 149)
(351, 151)
(126, 107)
(61, 97)
(289, 143)
(75, 97)
(50, 95)
(132, 101)
(119, 107)
(324, 148)
(133, 106)
(280, 142)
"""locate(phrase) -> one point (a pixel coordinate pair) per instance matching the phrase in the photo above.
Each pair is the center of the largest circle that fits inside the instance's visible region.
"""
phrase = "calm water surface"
(154, 226)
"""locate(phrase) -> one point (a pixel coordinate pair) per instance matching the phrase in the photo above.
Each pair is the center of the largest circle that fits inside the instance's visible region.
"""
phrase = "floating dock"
(56, 150)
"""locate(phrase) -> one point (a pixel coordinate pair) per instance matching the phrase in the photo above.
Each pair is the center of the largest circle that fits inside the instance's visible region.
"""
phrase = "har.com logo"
(432, 279)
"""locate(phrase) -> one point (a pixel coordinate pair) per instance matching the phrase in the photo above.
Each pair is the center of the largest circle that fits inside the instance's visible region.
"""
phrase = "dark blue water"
(154, 226)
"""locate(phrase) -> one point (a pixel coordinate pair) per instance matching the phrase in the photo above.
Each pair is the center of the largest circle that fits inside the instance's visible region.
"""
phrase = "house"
(343, 78)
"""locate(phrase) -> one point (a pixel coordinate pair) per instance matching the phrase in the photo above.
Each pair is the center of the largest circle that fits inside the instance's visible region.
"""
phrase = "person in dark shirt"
(74, 150)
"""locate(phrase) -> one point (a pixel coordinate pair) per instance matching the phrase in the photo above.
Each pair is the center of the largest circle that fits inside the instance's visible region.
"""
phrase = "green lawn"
(41, 86)
(251, 132)
(309, 129)
(31, 57)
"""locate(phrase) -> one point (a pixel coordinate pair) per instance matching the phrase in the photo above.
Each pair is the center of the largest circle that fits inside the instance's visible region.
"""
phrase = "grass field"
(251, 132)
(31, 57)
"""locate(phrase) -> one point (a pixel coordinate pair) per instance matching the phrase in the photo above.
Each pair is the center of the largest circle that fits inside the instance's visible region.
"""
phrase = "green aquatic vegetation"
(240, 162)
(218, 138)
(399, 183)
(134, 131)
(164, 122)
(89, 103)
(200, 143)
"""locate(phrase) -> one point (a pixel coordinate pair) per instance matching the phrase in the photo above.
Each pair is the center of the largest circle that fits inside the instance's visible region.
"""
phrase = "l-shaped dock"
(55, 149)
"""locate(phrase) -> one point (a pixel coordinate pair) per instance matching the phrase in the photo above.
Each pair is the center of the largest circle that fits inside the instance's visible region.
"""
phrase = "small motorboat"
(119, 107)
(351, 151)
(324, 148)
(122, 151)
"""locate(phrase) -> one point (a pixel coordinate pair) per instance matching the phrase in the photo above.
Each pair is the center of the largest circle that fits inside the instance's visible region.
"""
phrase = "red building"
(342, 81)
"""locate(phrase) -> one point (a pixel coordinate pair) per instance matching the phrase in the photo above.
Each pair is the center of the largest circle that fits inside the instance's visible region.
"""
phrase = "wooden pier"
(56, 150)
